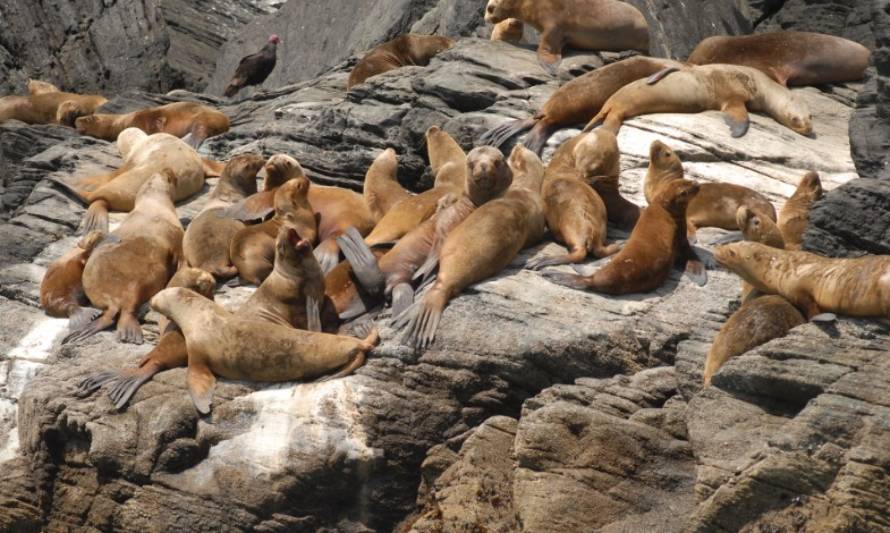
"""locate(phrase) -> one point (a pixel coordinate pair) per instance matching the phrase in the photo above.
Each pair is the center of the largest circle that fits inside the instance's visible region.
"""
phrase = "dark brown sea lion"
(403, 51)
(795, 214)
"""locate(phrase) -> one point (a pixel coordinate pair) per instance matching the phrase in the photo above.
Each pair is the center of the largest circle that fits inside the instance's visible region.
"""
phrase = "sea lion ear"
(171, 177)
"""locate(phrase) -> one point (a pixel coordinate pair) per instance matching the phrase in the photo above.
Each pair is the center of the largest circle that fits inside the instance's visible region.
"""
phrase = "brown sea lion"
(818, 286)
(381, 190)
(576, 215)
(170, 352)
(220, 343)
(602, 25)
(119, 277)
(754, 323)
(789, 57)
(655, 244)
(178, 119)
(509, 31)
(728, 88)
(41, 87)
(795, 214)
(403, 51)
(49, 107)
(252, 249)
(144, 156)
(576, 102)
(482, 245)
(207, 237)
(61, 289)
(715, 205)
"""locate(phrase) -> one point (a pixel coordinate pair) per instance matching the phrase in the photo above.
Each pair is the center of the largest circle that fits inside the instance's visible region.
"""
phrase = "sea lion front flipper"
(402, 298)
(705, 256)
(660, 75)
(200, 382)
(824, 318)
(96, 217)
(212, 169)
(255, 207)
(550, 49)
(590, 268)
(313, 313)
(81, 317)
(735, 114)
(362, 259)
(128, 328)
(328, 254)
(355, 309)
(695, 271)
(733, 236)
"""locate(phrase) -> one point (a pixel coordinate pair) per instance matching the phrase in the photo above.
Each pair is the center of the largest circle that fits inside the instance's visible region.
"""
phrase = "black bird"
(255, 68)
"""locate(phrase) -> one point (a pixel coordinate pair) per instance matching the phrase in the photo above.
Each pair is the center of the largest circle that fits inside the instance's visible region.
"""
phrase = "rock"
(851, 220)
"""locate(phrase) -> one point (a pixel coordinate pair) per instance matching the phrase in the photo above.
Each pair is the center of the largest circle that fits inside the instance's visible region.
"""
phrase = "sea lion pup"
(61, 290)
(381, 189)
(170, 352)
(41, 87)
(49, 107)
(482, 245)
(207, 237)
(715, 205)
(509, 30)
(252, 249)
(602, 25)
(418, 251)
(119, 277)
(178, 119)
(234, 347)
(795, 214)
(754, 323)
(576, 215)
(789, 57)
(403, 51)
(576, 102)
(728, 88)
(818, 286)
(144, 156)
(655, 244)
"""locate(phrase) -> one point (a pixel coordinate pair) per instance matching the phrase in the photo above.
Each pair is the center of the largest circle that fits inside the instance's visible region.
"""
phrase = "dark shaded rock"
(852, 220)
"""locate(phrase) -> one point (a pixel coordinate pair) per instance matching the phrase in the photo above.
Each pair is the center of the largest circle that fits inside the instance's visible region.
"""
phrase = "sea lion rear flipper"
(499, 135)
(356, 308)
(81, 317)
(91, 383)
(256, 207)
(362, 259)
(735, 114)
(572, 281)
(590, 268)
(422, 319)
(402, 298)
(696, 272)
(824, 317)
(126, 383)
(660, 75)
(103, 322)
(550, 49)
(96, 217)
(313, 313)
(200, 382)
(328, 254)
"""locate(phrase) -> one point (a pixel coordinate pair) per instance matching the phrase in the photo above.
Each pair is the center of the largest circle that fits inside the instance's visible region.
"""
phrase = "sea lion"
(715, 205)
(403, 51)
(482, 245)
(49, 107)
(178, 119)
(728, 88)
(448, 161)
(41, 87)
(509, 31)
(144, 156)
(381, 189)
(818, 286)
(754, 323)
(795, 214)
(576, 102)
(789, 57)
(207, 237)
(119, 277)
(756, 227)
(61, 290)
(252, 249)
(170, 352)
(655, 244)
(576, 215)
(221, 343)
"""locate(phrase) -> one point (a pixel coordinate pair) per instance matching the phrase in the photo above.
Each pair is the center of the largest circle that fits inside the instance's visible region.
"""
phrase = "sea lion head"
(811, 183)
(758, 227)
(176, 302)
(292, 194)
(68, 112)
(274, 39)
(441, 43)
(488, 174)
(163, 182)
(747, 259)
(195, 279)
(241, 170)
(87, 124)
(663, 159)
(528, 170)
(498, 10)
(291, 247)
(281, 168)
(797, 116)
(128, 139)
(675, 195)
(596, 154)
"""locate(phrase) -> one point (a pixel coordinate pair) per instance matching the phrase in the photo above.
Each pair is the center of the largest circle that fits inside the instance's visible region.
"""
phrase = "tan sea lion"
(715, 205)
(170, 352)
(61, 289)
(41, 87)
(509, 31)
(49, 107)
(655, 244)
(754, 323)
(448, 161)
(576, 215)
(789, 57)
(403, 51)
(178, 119)
(576, 102)
(207, 237)
(728, 88)
(381, 190)
(602, 25)
(221, 343)
(119, 277)
(795, 214)
(482, 245)
(818, 286)
(144, 156)
(756, 227)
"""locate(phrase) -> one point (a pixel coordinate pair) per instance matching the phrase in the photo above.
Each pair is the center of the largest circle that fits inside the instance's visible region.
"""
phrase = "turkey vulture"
(255, 68)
